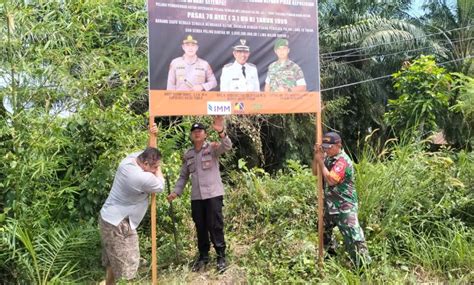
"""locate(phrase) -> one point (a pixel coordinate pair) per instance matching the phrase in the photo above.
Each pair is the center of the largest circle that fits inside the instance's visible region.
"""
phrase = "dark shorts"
(120, 248)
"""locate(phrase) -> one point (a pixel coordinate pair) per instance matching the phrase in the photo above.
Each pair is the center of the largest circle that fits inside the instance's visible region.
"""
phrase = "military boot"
(201, 262)
(221, 262)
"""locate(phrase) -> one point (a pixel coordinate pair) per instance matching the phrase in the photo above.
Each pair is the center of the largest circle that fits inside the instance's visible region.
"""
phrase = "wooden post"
(320, 195)
(152, 142)
(319, 138)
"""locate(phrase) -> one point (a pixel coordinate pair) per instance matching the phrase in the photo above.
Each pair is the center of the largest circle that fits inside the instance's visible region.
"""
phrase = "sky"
(416, 7)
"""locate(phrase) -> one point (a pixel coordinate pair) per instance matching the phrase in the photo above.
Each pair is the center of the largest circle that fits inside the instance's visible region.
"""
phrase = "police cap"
(190, 40)
(198, 126)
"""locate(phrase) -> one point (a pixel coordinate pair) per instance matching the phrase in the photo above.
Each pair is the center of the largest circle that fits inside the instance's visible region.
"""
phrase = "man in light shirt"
(240, 76)
(138, 175)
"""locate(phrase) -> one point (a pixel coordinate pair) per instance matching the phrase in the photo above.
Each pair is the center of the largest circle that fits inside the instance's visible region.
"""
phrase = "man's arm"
(211, 81)
(225, 80)
(318, 161)
(300, 88)
(256, 83)
(171, 85)
(300, 81)
(153, 183)
(181, 183)
(219, 126)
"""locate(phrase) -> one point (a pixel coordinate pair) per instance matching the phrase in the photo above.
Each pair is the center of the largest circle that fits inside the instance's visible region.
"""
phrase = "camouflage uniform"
(341, 209)
(120, 248)
(287, 75)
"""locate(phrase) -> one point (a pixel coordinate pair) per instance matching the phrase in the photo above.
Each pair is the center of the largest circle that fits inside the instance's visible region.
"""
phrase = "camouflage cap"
(189, 40)
(281, 43)
(242, 46)
(330, 139)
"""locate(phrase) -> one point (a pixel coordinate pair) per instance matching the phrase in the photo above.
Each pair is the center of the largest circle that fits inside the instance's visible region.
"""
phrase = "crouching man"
(138, 175)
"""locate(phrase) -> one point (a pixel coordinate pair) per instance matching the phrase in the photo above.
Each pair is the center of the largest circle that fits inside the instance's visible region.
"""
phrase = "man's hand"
(154, 129)
(218, 124)
(158, 172)
(171, 197)
(318, 153)
(198, 87)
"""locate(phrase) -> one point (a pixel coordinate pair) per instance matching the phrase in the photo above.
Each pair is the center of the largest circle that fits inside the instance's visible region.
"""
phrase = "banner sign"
(241, 56)
(175, 103)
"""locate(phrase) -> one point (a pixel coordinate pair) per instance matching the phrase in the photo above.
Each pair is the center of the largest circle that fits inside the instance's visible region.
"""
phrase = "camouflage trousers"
(354, 241)
(120, 248)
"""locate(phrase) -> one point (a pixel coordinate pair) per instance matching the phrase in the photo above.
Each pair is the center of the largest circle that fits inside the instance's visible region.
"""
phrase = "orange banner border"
(179, 103)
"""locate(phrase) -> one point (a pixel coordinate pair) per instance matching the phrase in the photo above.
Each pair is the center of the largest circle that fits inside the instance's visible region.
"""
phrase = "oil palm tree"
(453, 22)
(365, 41)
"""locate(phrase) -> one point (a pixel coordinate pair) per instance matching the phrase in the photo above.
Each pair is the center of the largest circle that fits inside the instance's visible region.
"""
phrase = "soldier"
(137, 175)
(189, 72)
(240, 75)
(202, 163)
(284, 75)
(340, 199)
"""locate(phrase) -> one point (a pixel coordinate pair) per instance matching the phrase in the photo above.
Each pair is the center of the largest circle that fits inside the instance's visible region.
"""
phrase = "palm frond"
(46, 257)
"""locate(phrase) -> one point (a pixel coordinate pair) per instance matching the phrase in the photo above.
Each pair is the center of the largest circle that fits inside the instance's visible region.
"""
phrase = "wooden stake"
(319, 138)
(154, 272)
(320, 195)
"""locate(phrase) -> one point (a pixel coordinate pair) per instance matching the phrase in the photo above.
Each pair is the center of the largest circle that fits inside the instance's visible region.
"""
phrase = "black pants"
(209, 221)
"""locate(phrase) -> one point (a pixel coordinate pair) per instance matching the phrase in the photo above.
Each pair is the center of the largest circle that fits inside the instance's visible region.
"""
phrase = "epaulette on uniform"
(251, 64)
(229, 64)
(188, 154)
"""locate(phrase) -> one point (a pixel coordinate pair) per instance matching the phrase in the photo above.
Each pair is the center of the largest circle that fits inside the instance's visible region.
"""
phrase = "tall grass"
(410, 201)
(415, 209)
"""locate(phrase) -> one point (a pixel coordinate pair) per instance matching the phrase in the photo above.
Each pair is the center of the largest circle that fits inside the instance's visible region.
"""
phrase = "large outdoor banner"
(233, 57)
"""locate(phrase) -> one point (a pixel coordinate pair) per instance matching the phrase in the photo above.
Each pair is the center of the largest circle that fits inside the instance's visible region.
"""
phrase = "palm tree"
(454, 25)
(365, 41)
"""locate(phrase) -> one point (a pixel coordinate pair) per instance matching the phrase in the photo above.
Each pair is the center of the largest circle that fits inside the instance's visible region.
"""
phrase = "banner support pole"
(152, 142)
(319, 136)
(320, 192)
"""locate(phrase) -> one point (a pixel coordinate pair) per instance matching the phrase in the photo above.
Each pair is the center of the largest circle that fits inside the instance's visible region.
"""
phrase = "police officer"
(202, 163)
(284, 75)
(340, 198)
(188, 72)
(240, 76)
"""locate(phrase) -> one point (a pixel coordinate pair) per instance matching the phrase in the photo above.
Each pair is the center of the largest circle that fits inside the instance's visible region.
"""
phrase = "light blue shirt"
(129, 194)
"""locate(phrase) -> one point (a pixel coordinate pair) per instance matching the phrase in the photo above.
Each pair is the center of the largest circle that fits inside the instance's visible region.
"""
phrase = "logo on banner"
(219, 108)
(239, 107)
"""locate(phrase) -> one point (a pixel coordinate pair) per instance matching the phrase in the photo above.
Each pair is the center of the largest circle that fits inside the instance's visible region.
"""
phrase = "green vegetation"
(73, 88)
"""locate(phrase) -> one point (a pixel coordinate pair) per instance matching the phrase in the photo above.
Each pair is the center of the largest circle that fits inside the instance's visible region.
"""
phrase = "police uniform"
(206, 193)
(341, 207)
(240, 78)
(183, 75)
